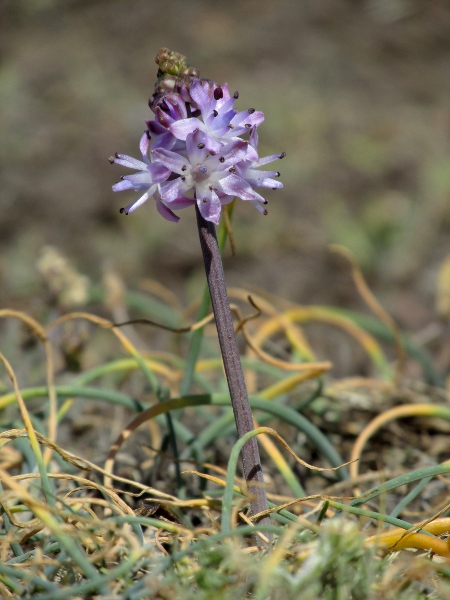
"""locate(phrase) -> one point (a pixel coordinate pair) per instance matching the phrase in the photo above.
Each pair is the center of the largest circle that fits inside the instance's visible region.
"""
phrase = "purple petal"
(130, 162)
(166, 212)
(163, 118)
(155, 128)
(196, 147)
(270, 183)
(181, 129)
(226, 99)
(213, 145)
(236, 186)
(252, 154)
(141, 178)
(167, 141)
(139, 202)
(254, 138)
(200, 96)
(158, 172)
(227, 106)
(176, 106)
(259, 206)
(173, 190)
(144, 144)
(170, 160)
(222, 121)
(268, 159)
(253, 119)
(233, 152)
(181, 202)
(225, 199)
(122, 185)
(210, 210)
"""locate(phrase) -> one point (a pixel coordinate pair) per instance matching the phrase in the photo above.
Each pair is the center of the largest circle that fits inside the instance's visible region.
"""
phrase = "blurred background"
(355, 91)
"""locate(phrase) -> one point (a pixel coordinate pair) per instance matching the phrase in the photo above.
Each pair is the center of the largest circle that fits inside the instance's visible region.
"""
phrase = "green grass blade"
(405, 479)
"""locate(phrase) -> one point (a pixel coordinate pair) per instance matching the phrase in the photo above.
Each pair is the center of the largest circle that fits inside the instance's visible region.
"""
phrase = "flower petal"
(129, 162)
(196, 147)
(120, 186)
(200, 95)
(144, 144)
(158, 172)
(170, 160)
(140, 178)
(211, 209)
(166, 212)
(181, 202)
(248, 119)
(236, 186)
(139, 202)
(232, 153)
(268, 159)
(173, 190)
(181, 129)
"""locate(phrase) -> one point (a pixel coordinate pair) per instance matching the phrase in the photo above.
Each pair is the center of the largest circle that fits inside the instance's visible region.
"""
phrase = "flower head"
(194, 150)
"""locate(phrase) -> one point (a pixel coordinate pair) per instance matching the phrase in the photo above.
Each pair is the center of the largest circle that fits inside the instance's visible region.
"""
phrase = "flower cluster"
(194, 151)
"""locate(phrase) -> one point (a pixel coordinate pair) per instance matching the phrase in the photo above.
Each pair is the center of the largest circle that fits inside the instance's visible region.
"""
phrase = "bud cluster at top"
(198, 149)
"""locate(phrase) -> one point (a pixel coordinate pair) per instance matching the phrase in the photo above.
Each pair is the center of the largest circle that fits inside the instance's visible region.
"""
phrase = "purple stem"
(233, 368)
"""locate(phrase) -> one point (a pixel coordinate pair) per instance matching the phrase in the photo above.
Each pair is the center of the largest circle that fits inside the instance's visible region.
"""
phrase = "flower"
(148, 177)
(169, 110)
(248, 169)
(194, 151)
(221, 122)
(202, 172)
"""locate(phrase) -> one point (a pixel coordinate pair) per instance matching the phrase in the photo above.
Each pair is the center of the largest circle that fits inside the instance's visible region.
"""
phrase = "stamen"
(215, 113)
(200, 146)
(111, 160)
(183, 178)
(232, 170)
(123, 211)
(277, 174)
(265, 212)
(282, 155)
(183, 168)
(218, 93)
(205, 200)
(251, 111)
(222, 159)
(236, 95)
(247, 126)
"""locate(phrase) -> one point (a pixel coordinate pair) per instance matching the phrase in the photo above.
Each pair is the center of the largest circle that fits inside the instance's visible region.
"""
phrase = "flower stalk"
(232, 363)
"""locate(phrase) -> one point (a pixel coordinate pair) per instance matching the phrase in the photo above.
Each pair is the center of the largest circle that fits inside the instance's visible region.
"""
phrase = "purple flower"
(248, 169)
(170, 109)
(201, 173)
(148, 177)
(198, 154)
(221, 122)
